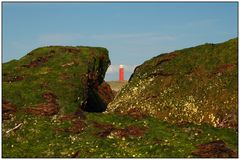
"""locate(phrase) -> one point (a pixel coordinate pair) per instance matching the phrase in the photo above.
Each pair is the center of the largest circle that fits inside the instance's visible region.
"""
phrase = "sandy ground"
(116, 85)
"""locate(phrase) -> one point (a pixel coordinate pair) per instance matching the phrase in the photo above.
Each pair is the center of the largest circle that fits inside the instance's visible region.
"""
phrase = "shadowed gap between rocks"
(99, 97)
(94, 102)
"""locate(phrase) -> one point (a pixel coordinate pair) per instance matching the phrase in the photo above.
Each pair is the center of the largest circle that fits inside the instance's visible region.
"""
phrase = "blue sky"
(132, 32)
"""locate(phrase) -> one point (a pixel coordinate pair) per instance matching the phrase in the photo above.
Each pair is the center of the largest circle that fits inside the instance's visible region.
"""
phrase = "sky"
(132, 32)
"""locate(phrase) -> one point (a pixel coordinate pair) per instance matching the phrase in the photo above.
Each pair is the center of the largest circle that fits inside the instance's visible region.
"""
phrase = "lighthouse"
(121, 73)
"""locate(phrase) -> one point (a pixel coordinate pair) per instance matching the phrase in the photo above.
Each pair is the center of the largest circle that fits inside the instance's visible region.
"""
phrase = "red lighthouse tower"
(121, 73)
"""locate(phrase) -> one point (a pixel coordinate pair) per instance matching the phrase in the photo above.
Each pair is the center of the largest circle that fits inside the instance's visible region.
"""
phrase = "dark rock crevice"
(99, 93)
(98, 97)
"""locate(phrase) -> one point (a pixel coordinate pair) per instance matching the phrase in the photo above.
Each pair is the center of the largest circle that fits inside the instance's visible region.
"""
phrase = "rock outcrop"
(55, 79)
(194, 85)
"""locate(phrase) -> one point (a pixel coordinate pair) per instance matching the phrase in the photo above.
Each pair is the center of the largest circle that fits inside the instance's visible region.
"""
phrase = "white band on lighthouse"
(120, 66)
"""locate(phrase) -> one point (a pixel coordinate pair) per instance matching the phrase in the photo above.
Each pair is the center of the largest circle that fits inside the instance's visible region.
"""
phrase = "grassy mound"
(194, 85)
(67, 76)
(44, 90)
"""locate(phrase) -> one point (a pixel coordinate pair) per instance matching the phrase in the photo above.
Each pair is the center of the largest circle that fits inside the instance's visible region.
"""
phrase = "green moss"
(197, 84)
(37, 138)
(42, 137)
(63, 71)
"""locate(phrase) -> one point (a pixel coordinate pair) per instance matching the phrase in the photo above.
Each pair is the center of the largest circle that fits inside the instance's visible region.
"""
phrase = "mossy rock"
(67, 73)
(194, 85)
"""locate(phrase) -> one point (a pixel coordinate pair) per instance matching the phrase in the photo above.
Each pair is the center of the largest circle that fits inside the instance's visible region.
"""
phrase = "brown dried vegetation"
(214, 149)
(7, 109)
(77, 125)
(37, 62)
(135, 113)
(224, 68)
(13, 79)
(45, 109)
(109, 129)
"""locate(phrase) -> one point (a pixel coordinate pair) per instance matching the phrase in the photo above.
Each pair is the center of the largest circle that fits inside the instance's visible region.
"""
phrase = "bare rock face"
(55, 79)
(194, 85)
(105, 92)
